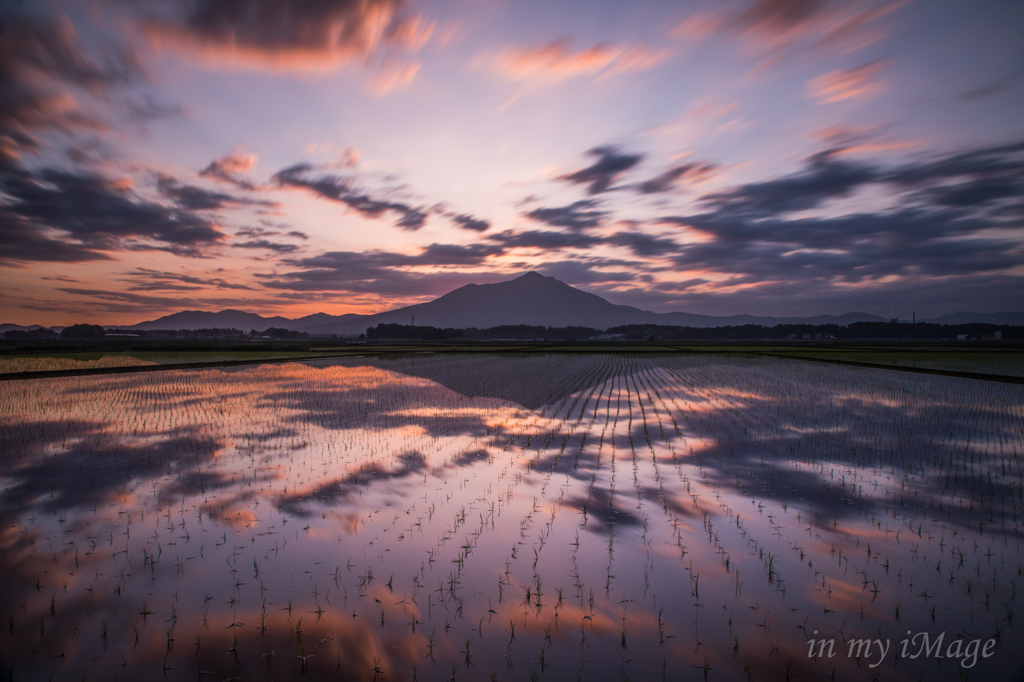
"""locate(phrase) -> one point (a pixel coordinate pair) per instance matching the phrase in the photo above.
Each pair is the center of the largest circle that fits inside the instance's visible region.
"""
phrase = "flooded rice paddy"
(555, 517)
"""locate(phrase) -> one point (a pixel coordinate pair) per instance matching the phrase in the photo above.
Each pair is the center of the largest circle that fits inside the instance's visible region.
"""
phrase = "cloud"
(24, 243)
(267, 245)
(342, 190)
(676, 176)
(610, 164)
(556, 61)
(40, 62)
(102, 300)
(385, 273)
(580, 215)
(393, 76)
(470, 223)
(777, 29)
(825, 178)
(192, 198)
(838, 86)
(544, 239)
(87, 213)
(589, 271)
(951, 217)
(643, 244)
(980, 177)
(146, 279)
(288, 35)
(228, 168)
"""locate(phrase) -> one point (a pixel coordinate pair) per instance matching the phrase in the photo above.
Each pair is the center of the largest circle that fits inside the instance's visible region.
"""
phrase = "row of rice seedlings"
(350, 446)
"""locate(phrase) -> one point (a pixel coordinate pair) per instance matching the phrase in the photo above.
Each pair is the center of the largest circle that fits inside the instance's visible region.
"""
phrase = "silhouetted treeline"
(408, 331)
(279, 333)
(855, 331)
(529, 332)
(83, 331)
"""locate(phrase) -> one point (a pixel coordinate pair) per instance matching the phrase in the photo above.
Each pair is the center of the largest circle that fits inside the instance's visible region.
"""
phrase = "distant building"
(610, 337)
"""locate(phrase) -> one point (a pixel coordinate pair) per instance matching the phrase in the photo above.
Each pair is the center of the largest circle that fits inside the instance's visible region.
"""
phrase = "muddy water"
(541, 517)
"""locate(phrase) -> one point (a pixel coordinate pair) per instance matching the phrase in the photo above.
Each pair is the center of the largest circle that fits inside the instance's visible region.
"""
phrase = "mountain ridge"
(531, 298)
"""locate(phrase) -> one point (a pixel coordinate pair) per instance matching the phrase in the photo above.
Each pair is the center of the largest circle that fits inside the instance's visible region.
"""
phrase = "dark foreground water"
(513, 518)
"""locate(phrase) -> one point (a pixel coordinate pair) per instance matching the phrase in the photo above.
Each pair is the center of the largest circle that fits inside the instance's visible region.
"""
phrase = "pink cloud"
(846, 84)
(289, 35)
(556, 61)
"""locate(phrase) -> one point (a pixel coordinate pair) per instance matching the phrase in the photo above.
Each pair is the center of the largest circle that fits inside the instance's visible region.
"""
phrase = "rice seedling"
(856, 504)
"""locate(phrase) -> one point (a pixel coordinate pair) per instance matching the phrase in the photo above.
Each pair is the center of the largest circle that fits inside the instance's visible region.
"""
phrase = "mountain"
(225, 319)
(23, 328)
(529, 299)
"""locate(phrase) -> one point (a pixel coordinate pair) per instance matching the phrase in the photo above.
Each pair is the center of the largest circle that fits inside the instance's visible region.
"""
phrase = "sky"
(286, 157)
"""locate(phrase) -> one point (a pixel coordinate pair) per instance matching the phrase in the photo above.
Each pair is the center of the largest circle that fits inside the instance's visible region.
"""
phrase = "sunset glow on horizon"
(771, 157)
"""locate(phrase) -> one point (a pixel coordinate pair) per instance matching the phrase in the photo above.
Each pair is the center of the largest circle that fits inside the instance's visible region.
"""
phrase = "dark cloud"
(39, 59)
(290, 34)
(192, 198)
(544, 239)
(342, 190)
(471, 223)
(673, 177)
(967, 180)
(643, 244)
(230, 168)
(778, 16)
(260, 232)
(590, 271)
(383, 272)
(266, 245)
(576, 216)
(451, 254)
(93, 301)
(93, 214)
(23, 242)
(858, 248)
(826, 177)
(146, 279)
(610, 164)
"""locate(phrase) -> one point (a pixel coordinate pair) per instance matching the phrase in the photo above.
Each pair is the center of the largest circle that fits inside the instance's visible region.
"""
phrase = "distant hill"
(23, 328)
(531, 299)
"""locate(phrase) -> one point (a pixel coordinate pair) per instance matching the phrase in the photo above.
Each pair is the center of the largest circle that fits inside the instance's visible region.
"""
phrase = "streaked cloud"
(231, 168)
(393, 76)
(677, 177)
(776, 29)
(286, 35)
(558, 61)
(580, 215)
(345, 191)
(55, 215)
(846, 84)
(609, 166)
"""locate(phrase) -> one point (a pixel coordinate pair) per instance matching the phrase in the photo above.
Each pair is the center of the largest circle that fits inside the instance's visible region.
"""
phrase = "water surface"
(540, 517)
